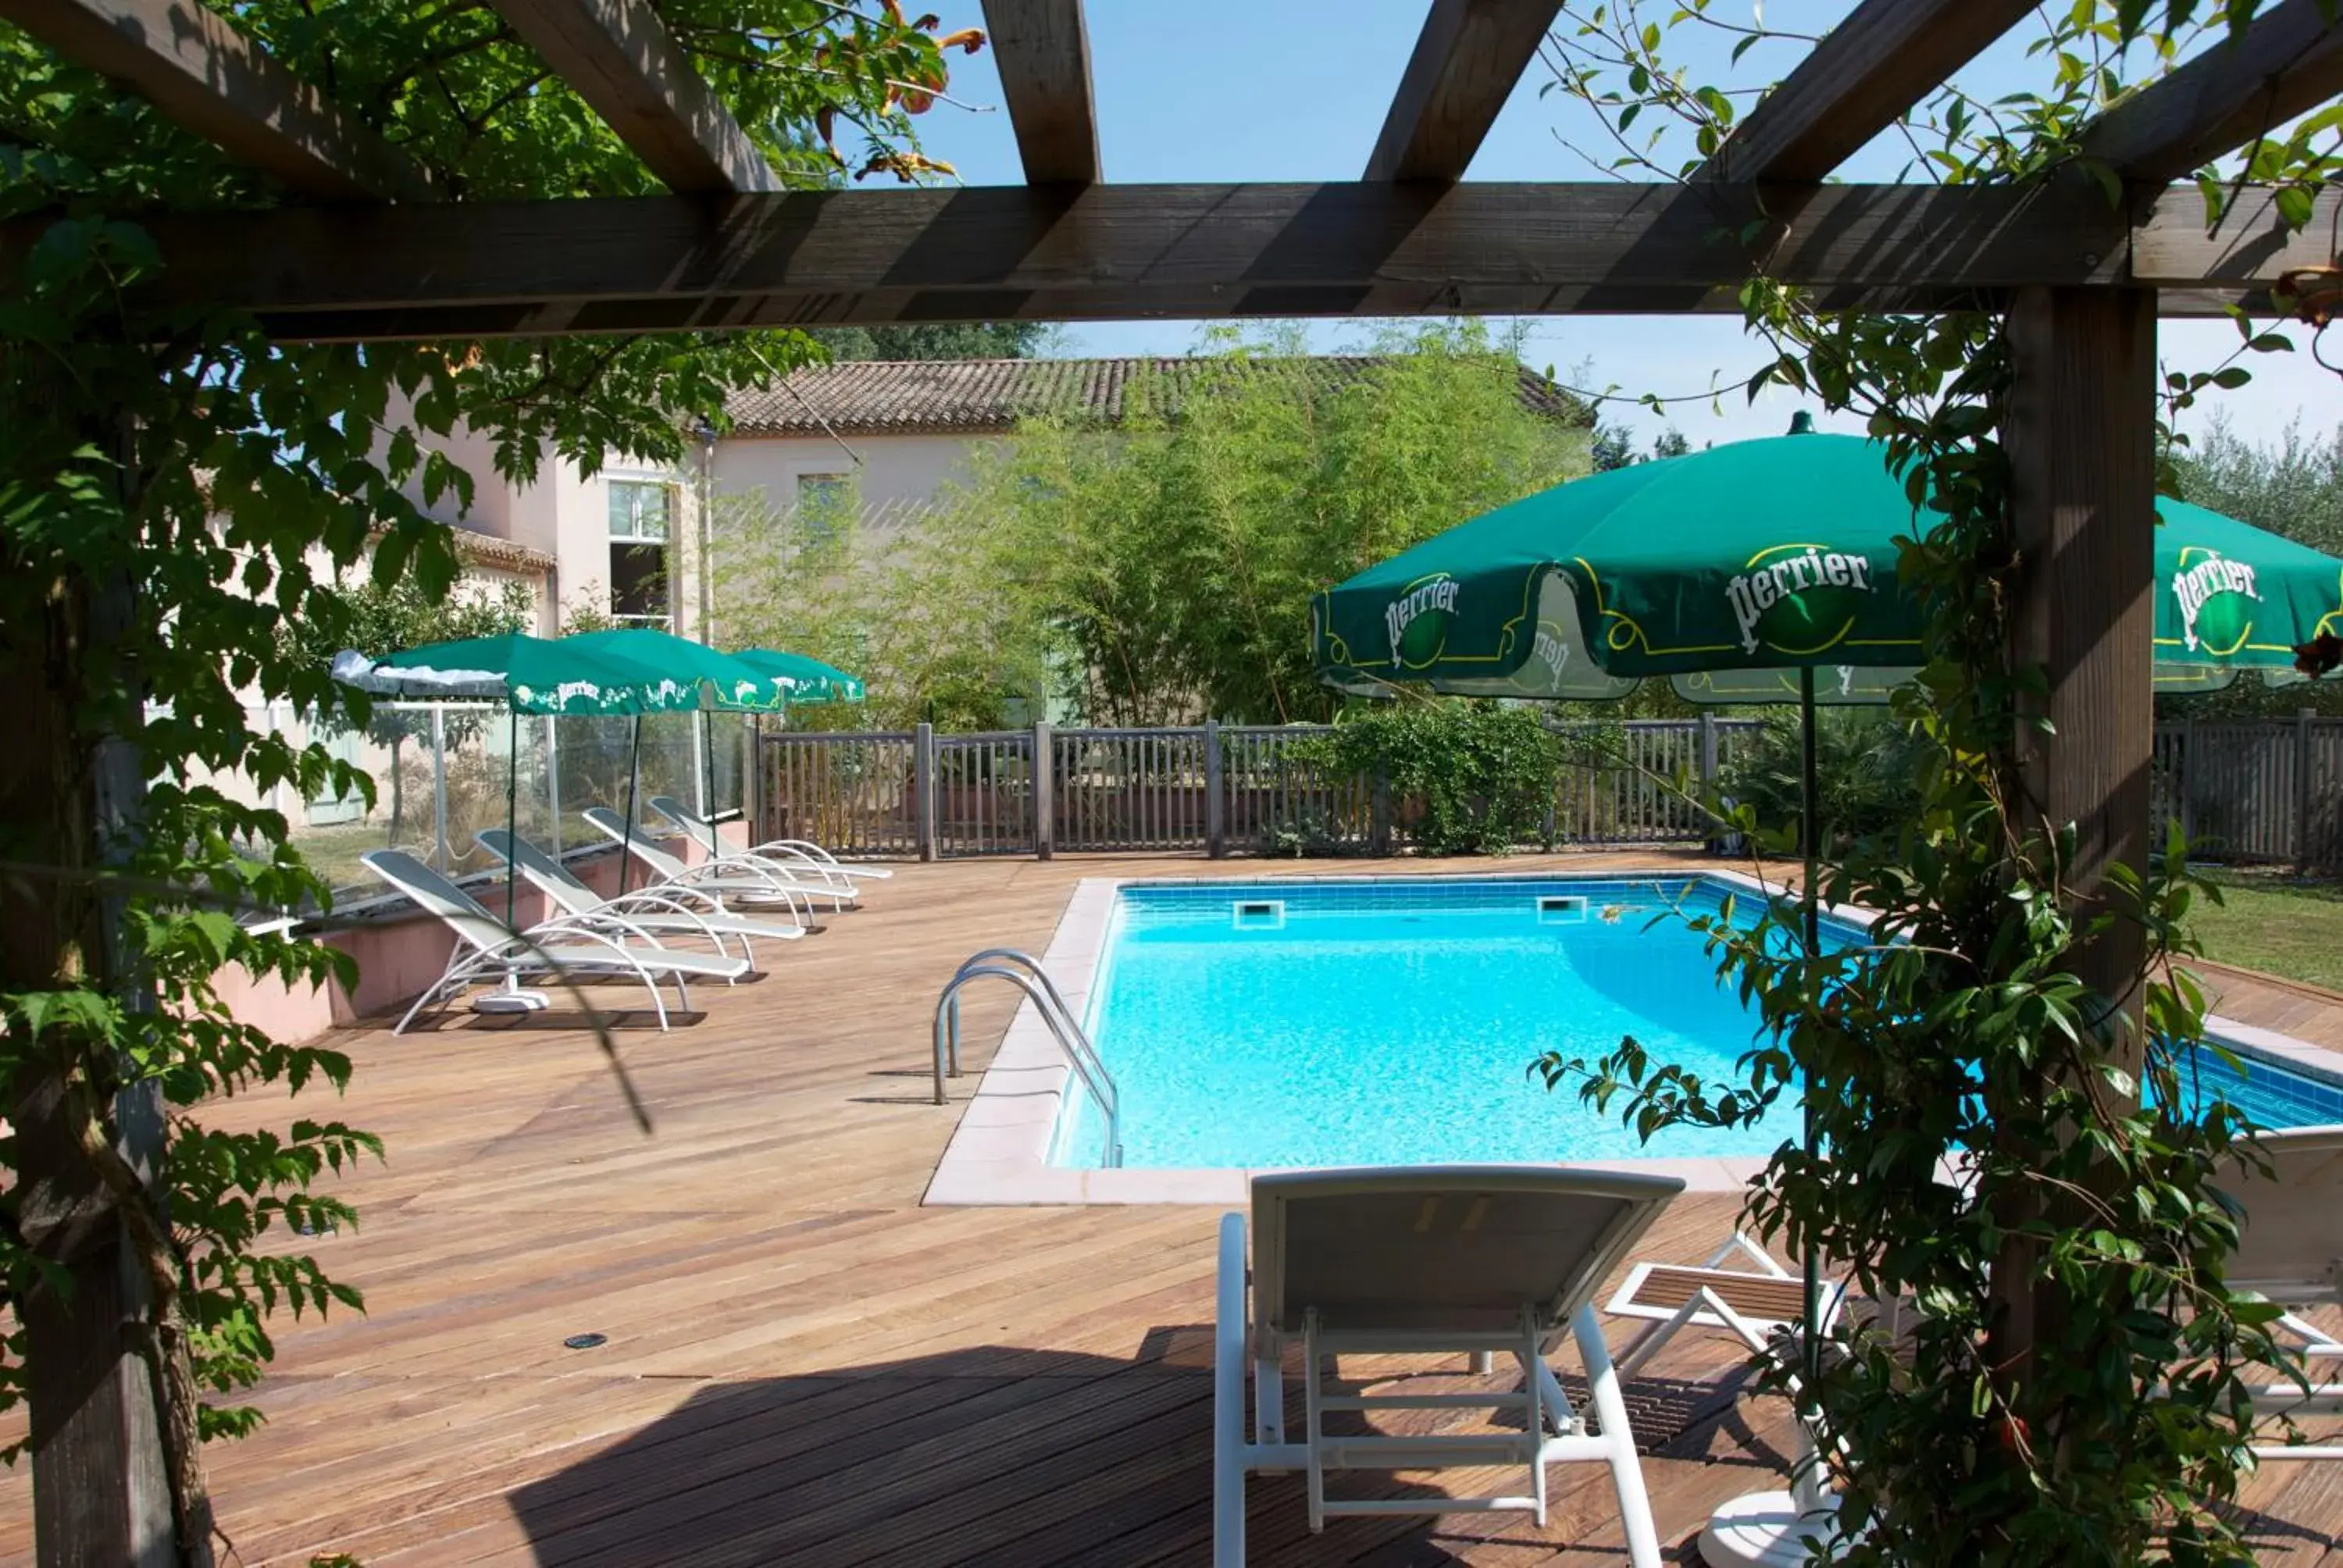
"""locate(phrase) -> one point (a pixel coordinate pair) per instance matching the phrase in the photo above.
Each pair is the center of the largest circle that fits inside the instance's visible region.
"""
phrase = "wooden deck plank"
(805, 1365)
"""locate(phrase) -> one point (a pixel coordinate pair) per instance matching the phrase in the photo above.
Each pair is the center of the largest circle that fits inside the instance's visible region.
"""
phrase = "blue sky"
(1207, 90)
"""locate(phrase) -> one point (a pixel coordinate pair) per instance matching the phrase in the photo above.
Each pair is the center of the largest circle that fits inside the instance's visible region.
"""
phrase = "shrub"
(1866, 771)
(1464, 777)
(1306, 834)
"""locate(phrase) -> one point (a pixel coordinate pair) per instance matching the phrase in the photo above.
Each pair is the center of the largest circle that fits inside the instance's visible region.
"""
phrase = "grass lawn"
(2276, 924)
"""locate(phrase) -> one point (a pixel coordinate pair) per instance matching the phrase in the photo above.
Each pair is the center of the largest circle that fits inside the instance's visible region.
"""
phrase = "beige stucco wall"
(492, 510)
(894, 472)
(566, 515)
(563, 513)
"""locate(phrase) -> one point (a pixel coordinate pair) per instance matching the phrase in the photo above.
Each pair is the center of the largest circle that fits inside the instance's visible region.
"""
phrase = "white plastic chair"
(2291, 1250)
(1755, 1303)
(570, 946)
(801, 857)
(1475, 1259)
(674, 909)
(730, 878)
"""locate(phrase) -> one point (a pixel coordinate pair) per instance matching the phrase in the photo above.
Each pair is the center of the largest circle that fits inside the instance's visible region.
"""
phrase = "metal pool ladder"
(1025, 972)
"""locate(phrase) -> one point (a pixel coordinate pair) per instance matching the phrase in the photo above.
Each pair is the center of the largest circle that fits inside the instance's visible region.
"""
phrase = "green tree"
(2292, 486)
(1615, 447)
(170, 482)
(936, 340)
(916, 611)
(1161, 569)
(1670, 443)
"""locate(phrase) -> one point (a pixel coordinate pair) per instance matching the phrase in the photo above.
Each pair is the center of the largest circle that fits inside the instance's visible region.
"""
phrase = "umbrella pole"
(634, 783)
(1807, 1486)
(512, 806)
(1767, 1529)
(707, 801)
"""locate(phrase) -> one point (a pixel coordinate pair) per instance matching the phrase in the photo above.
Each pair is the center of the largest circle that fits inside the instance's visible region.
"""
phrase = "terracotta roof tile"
(484, 549)
(914, 396)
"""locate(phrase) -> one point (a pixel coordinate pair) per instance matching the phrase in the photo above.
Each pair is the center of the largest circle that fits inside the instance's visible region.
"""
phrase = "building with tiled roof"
(893, 433)
(635, 541)
(988, 396)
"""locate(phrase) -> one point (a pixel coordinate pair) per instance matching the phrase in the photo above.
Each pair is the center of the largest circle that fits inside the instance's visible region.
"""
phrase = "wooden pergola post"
(100, 1473)
(2082, 451)
(2082, 444)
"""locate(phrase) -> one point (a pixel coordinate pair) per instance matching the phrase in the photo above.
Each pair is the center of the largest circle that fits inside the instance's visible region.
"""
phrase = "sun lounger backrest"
(545, 873)
(2291, 1249)
(456, 908)
(649, 854)
(689, 820)
(1437, 1247)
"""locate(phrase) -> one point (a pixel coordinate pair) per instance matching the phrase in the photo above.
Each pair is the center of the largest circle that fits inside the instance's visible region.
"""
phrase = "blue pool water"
(1365, 1022)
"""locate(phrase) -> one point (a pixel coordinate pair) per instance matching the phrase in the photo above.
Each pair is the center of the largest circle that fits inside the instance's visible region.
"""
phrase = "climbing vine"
(180, 497)
(2016, 1153)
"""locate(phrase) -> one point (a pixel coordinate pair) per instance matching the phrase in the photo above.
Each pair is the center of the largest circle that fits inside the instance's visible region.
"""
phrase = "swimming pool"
(1393, 1022)
(1270, 1023)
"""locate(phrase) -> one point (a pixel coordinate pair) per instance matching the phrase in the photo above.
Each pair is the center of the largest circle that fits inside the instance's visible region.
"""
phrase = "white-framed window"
(824, 489)
(642, 513)
(822, 501)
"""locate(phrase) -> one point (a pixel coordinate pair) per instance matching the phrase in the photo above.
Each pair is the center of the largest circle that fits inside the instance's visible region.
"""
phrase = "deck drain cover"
(585, 1341)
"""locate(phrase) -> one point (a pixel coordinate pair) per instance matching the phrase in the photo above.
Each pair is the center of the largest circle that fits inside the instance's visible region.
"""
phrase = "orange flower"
(906, 166)
(919, 95)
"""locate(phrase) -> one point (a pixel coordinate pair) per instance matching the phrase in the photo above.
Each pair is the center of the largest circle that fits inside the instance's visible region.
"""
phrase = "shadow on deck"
(1000, 1454)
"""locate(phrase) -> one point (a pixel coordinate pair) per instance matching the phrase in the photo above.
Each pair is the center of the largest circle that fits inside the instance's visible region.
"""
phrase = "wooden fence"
(2247, 790)
(1215, 789)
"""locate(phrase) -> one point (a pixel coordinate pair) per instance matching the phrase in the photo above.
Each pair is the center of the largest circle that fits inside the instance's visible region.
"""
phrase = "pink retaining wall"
(398, 955)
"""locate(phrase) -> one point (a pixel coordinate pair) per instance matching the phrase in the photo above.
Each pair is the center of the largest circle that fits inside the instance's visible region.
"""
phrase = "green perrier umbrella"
(723, 680)
(730, 681)
(1759, 571)
(529, 675)
(1729, 570)
(805, 680)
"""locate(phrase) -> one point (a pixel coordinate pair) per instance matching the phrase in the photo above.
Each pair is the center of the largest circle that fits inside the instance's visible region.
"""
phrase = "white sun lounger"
(2291, 1250)
(485, 947)
(730, 878)
(1755, 1303)
(662, 911)
(1424, 1259)
(801, 857)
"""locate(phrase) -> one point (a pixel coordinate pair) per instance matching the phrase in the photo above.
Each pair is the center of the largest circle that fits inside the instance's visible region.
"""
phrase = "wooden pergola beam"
(1042, 52)
(1119, 252)
(619, 58)
(1866, 74)
(2289, 61)
(1468, 59)
(195, 67)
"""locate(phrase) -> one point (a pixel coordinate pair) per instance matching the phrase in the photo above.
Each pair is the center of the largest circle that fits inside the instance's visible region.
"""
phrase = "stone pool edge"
(999, 1154)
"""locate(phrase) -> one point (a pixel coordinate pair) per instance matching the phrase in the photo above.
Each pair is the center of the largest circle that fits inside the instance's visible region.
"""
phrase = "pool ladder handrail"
(1051, 1006)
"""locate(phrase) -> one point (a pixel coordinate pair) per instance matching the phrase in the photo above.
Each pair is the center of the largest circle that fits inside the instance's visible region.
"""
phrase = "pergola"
(372, 253)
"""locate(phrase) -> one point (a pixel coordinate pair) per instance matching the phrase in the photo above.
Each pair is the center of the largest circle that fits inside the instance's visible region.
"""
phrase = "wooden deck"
(803, 1365)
